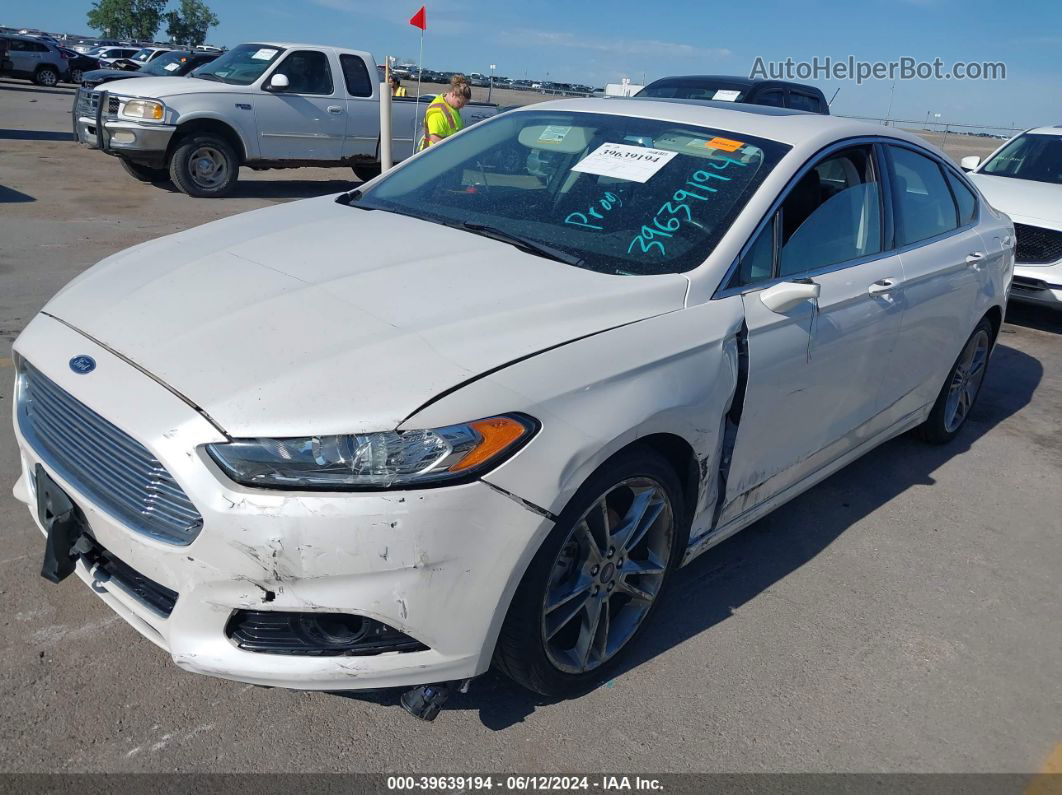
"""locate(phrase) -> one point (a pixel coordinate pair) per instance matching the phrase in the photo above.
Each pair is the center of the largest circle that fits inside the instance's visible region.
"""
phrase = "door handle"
(974, 258)
(335, 109)
(883, 286)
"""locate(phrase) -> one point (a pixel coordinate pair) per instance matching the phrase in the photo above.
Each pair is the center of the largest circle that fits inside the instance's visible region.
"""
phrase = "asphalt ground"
(904, 615)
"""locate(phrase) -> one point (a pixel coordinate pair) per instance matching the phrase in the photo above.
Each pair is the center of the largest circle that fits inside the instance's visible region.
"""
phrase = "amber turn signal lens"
(498, 434)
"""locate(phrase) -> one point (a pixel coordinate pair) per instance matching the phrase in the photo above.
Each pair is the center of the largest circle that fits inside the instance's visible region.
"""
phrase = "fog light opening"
(315, 634)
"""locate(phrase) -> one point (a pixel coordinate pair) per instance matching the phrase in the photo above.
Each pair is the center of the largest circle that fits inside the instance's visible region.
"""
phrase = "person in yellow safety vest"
(443, 116)
(397, 89)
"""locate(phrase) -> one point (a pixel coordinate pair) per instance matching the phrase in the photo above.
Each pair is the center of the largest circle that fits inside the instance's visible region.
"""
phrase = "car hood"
(162, 87)
(316, 318)
(1024, 200)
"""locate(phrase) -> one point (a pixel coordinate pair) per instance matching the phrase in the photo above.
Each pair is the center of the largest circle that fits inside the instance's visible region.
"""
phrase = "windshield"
(691, 89)
(240, 66)
(143, 56)
(614, 194)
(167, 64)
(1032, 156)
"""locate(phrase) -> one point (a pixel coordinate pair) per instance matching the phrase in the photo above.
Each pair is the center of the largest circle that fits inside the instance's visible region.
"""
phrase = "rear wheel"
(144, 173)
(597, 577)
(959, 393)
(366, 171)
(46, 76)
(204, 165)
(76, 76)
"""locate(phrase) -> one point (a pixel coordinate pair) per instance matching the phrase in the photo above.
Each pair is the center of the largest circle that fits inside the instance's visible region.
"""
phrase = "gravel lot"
(902, 616)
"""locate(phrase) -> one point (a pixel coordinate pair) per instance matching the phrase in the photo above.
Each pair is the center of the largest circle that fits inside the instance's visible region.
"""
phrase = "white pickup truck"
(261, 105)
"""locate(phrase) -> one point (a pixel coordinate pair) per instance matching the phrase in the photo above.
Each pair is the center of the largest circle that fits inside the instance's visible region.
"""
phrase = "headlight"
(147, 109)
(391, 459)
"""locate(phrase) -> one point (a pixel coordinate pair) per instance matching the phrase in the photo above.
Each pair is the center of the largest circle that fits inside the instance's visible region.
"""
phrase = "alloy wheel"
(607, 575)
(966, 381)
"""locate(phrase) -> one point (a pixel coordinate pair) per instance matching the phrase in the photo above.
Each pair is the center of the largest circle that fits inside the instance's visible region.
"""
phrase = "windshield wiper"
(207, 76)
(522, 243)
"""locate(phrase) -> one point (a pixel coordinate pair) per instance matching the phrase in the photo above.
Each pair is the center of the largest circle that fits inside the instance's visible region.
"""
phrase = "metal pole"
(420, 76)
(942, 143)
(490, 90)
(385, 119)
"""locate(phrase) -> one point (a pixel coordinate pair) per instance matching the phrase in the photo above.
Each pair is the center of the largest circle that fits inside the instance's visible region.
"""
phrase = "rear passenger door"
(363, 109)
(305, 121)
(942, 256)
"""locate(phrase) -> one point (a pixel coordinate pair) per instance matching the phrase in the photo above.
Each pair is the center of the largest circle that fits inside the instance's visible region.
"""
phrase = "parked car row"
(45, 63)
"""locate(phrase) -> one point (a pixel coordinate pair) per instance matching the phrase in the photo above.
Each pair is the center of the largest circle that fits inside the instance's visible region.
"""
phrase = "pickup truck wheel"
(367, 171)
(204, 165)
(144, 173)
(46, 76)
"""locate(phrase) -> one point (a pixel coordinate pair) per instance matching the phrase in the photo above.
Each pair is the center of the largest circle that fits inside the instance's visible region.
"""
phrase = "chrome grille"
(103, 462)
(87, 102)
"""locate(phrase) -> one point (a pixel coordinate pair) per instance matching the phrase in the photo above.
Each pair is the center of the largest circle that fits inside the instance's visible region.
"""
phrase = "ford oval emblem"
(82, 365)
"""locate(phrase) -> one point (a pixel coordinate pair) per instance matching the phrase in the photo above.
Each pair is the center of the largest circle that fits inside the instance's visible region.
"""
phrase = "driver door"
(815, 365)
(306, 120)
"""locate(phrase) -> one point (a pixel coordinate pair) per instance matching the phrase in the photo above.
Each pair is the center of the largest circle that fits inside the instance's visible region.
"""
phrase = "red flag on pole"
(420, 19)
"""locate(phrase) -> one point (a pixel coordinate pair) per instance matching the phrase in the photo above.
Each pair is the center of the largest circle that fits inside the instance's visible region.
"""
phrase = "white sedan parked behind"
(479, 410)
(1023, 178)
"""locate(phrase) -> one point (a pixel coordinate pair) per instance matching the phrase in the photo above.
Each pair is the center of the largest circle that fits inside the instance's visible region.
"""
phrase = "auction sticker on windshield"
(264, 54)
(622, 161)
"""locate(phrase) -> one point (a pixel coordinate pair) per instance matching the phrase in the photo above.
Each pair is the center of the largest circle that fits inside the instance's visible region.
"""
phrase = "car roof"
(1055, 129)
(734, 80)
(777, 124)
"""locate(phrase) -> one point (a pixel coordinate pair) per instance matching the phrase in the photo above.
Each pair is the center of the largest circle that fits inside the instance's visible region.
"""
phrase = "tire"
(76, 76)
(961, 388)
(191, 172)
(144, 173)
(533, 647)
(46, 76)
(367, 171)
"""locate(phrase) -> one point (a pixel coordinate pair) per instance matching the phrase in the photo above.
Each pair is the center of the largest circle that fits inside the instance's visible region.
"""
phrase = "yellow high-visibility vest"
(445, 119)
(400, 91)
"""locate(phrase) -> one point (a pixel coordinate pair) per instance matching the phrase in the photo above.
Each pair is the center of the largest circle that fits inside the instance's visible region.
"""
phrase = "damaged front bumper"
(97, 125)
(439, 565)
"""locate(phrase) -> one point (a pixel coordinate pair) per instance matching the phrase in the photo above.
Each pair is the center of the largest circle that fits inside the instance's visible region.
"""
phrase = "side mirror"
(970, 162)
(783, 297)
(278, 82)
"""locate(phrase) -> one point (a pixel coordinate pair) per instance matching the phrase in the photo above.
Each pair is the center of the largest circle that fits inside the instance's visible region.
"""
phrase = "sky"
(596, 42)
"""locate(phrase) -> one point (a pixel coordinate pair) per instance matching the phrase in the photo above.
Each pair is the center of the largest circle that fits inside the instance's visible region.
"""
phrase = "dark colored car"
(173, 64)
(724, 88)
(77, 65)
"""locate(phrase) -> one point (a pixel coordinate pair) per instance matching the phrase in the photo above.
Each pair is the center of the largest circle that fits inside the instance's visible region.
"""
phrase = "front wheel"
(143, 173)
(959, 393)
(46, 76)
(596, 578)
(204, 165)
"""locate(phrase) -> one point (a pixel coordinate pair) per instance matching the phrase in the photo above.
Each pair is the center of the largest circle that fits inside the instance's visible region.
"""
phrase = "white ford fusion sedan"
(481, 409)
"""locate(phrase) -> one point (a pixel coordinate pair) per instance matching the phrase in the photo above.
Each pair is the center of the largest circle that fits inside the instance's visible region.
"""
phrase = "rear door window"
(798, 100)
(924, 206)
(772, 96)
(356, 76)
(964, 199)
